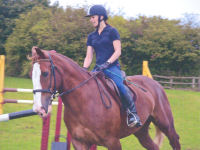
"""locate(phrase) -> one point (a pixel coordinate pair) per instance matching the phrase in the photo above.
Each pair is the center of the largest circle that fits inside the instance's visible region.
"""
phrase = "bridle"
(54, 92)
(52, 75)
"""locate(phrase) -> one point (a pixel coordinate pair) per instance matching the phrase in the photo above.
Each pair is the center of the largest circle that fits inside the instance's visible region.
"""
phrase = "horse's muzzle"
(45, 108)
(44, 111)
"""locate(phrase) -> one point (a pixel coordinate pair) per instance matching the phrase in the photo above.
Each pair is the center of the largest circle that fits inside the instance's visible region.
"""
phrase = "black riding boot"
(132, 116)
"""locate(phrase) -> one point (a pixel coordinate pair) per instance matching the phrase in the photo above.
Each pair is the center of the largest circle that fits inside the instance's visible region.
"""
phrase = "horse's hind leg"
(144, 137)
(163, 119)
(167, 127)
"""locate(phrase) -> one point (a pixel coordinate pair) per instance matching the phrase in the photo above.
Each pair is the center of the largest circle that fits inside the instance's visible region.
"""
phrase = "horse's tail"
(159, 137)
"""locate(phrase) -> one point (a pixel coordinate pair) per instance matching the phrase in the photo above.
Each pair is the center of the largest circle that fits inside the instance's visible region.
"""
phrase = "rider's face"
(94, 20)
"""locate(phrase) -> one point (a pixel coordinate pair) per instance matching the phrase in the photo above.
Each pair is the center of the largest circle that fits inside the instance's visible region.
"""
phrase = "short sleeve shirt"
(103, 44)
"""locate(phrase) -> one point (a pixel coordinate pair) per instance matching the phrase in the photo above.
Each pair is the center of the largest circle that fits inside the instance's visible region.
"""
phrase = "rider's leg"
(114, 73)
(133, 118)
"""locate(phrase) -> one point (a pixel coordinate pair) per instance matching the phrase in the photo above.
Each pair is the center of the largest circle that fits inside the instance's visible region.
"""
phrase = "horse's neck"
(83, 99)
(72, 74)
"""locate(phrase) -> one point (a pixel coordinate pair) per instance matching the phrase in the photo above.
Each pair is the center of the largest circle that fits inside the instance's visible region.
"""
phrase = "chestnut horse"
(92, 110)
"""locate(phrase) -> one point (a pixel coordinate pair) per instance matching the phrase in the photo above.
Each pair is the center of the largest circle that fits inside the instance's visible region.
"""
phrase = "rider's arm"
(89, 57)
(117, 53)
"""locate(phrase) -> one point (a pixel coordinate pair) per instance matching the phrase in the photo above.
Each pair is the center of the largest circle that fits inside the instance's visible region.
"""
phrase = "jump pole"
(2, 68)
(21, 101)
(17, 90)
(15, 115)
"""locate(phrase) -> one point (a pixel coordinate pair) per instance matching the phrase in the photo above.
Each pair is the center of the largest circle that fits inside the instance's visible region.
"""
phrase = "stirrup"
(135, 123)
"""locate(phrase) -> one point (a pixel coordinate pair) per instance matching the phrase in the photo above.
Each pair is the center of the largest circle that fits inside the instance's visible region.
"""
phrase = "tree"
(172, 48)
(163, 42)
(19, 43)
(9, 11)
(62, 30)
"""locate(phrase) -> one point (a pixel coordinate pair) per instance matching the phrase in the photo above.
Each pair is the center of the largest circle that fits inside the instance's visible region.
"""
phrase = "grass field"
(25, 133)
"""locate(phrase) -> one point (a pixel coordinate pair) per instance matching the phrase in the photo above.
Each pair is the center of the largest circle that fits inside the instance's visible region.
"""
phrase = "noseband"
(54, 92)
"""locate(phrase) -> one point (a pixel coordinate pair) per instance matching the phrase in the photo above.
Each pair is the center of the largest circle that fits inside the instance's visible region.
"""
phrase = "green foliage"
(9, 11)
(171, 47)
(64, 31)
(24, 36)
(165, 45)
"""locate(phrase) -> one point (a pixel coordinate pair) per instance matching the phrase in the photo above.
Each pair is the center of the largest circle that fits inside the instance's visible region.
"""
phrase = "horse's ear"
(37, 51)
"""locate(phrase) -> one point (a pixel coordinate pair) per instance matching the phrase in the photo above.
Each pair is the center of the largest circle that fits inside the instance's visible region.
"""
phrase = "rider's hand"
(86, 69)
(103, 66)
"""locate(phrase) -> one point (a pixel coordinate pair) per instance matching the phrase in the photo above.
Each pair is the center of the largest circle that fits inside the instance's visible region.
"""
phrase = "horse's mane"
(35, 58)
(69, 60)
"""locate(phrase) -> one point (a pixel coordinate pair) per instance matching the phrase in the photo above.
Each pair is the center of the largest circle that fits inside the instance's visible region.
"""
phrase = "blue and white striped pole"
(15, 115)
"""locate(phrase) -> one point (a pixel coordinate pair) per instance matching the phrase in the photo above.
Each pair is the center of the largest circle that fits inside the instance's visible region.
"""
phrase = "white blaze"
(36, 85)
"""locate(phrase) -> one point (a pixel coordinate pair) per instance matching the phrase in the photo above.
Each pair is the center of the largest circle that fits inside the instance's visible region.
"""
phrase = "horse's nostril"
(44, 108)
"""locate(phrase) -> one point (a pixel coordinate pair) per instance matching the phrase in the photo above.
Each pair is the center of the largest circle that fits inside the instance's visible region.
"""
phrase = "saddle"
(110, 85)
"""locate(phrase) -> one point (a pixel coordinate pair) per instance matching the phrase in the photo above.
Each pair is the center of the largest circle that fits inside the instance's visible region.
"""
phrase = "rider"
(105, 41)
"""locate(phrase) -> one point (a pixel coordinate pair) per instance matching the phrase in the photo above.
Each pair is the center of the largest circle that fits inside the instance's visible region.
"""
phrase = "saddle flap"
(130, 86)
(112, 86)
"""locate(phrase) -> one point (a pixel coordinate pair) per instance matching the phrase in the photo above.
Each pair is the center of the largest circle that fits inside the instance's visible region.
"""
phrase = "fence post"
(199, 84)
(171, 82)
(2, 69)
(193, 82)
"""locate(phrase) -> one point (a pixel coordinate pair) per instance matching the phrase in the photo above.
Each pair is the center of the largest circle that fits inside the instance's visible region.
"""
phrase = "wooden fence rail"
(178, 82)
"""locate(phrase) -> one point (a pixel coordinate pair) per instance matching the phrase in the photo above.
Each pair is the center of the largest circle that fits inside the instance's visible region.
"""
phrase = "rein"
(54, 92)
(78, 86)
(99, 87)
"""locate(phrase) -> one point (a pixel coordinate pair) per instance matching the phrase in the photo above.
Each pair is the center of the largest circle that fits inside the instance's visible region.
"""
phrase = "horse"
(93, 113)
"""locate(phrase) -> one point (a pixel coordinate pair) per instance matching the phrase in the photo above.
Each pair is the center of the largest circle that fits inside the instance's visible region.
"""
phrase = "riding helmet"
(97, 10)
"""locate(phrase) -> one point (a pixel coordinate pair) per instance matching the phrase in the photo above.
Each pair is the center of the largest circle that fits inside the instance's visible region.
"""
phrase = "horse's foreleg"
(80, 145)
(113, 144)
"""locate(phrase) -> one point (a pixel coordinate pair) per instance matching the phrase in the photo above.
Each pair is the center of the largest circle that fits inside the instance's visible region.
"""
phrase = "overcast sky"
(171, 9)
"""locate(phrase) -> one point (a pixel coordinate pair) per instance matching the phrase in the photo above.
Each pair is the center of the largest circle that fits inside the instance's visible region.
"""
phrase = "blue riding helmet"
(98, 10)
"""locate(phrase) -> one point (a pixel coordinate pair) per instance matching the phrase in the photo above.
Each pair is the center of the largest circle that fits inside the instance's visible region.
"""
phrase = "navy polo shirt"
(103, 44)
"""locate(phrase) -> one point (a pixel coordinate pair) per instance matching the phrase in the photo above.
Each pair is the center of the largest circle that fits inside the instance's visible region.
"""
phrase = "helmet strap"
(99, 21)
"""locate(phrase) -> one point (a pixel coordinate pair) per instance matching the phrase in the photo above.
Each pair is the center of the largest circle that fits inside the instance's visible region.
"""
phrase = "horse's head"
(45, 83)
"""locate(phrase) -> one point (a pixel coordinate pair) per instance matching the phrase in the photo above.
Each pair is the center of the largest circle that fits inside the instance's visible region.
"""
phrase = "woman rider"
(106, 43)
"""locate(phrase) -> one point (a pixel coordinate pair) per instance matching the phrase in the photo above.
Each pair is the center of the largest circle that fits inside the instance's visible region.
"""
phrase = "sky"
(171, 9)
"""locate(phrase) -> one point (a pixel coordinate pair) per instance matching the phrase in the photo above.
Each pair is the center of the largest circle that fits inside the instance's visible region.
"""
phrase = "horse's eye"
(45, 74)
